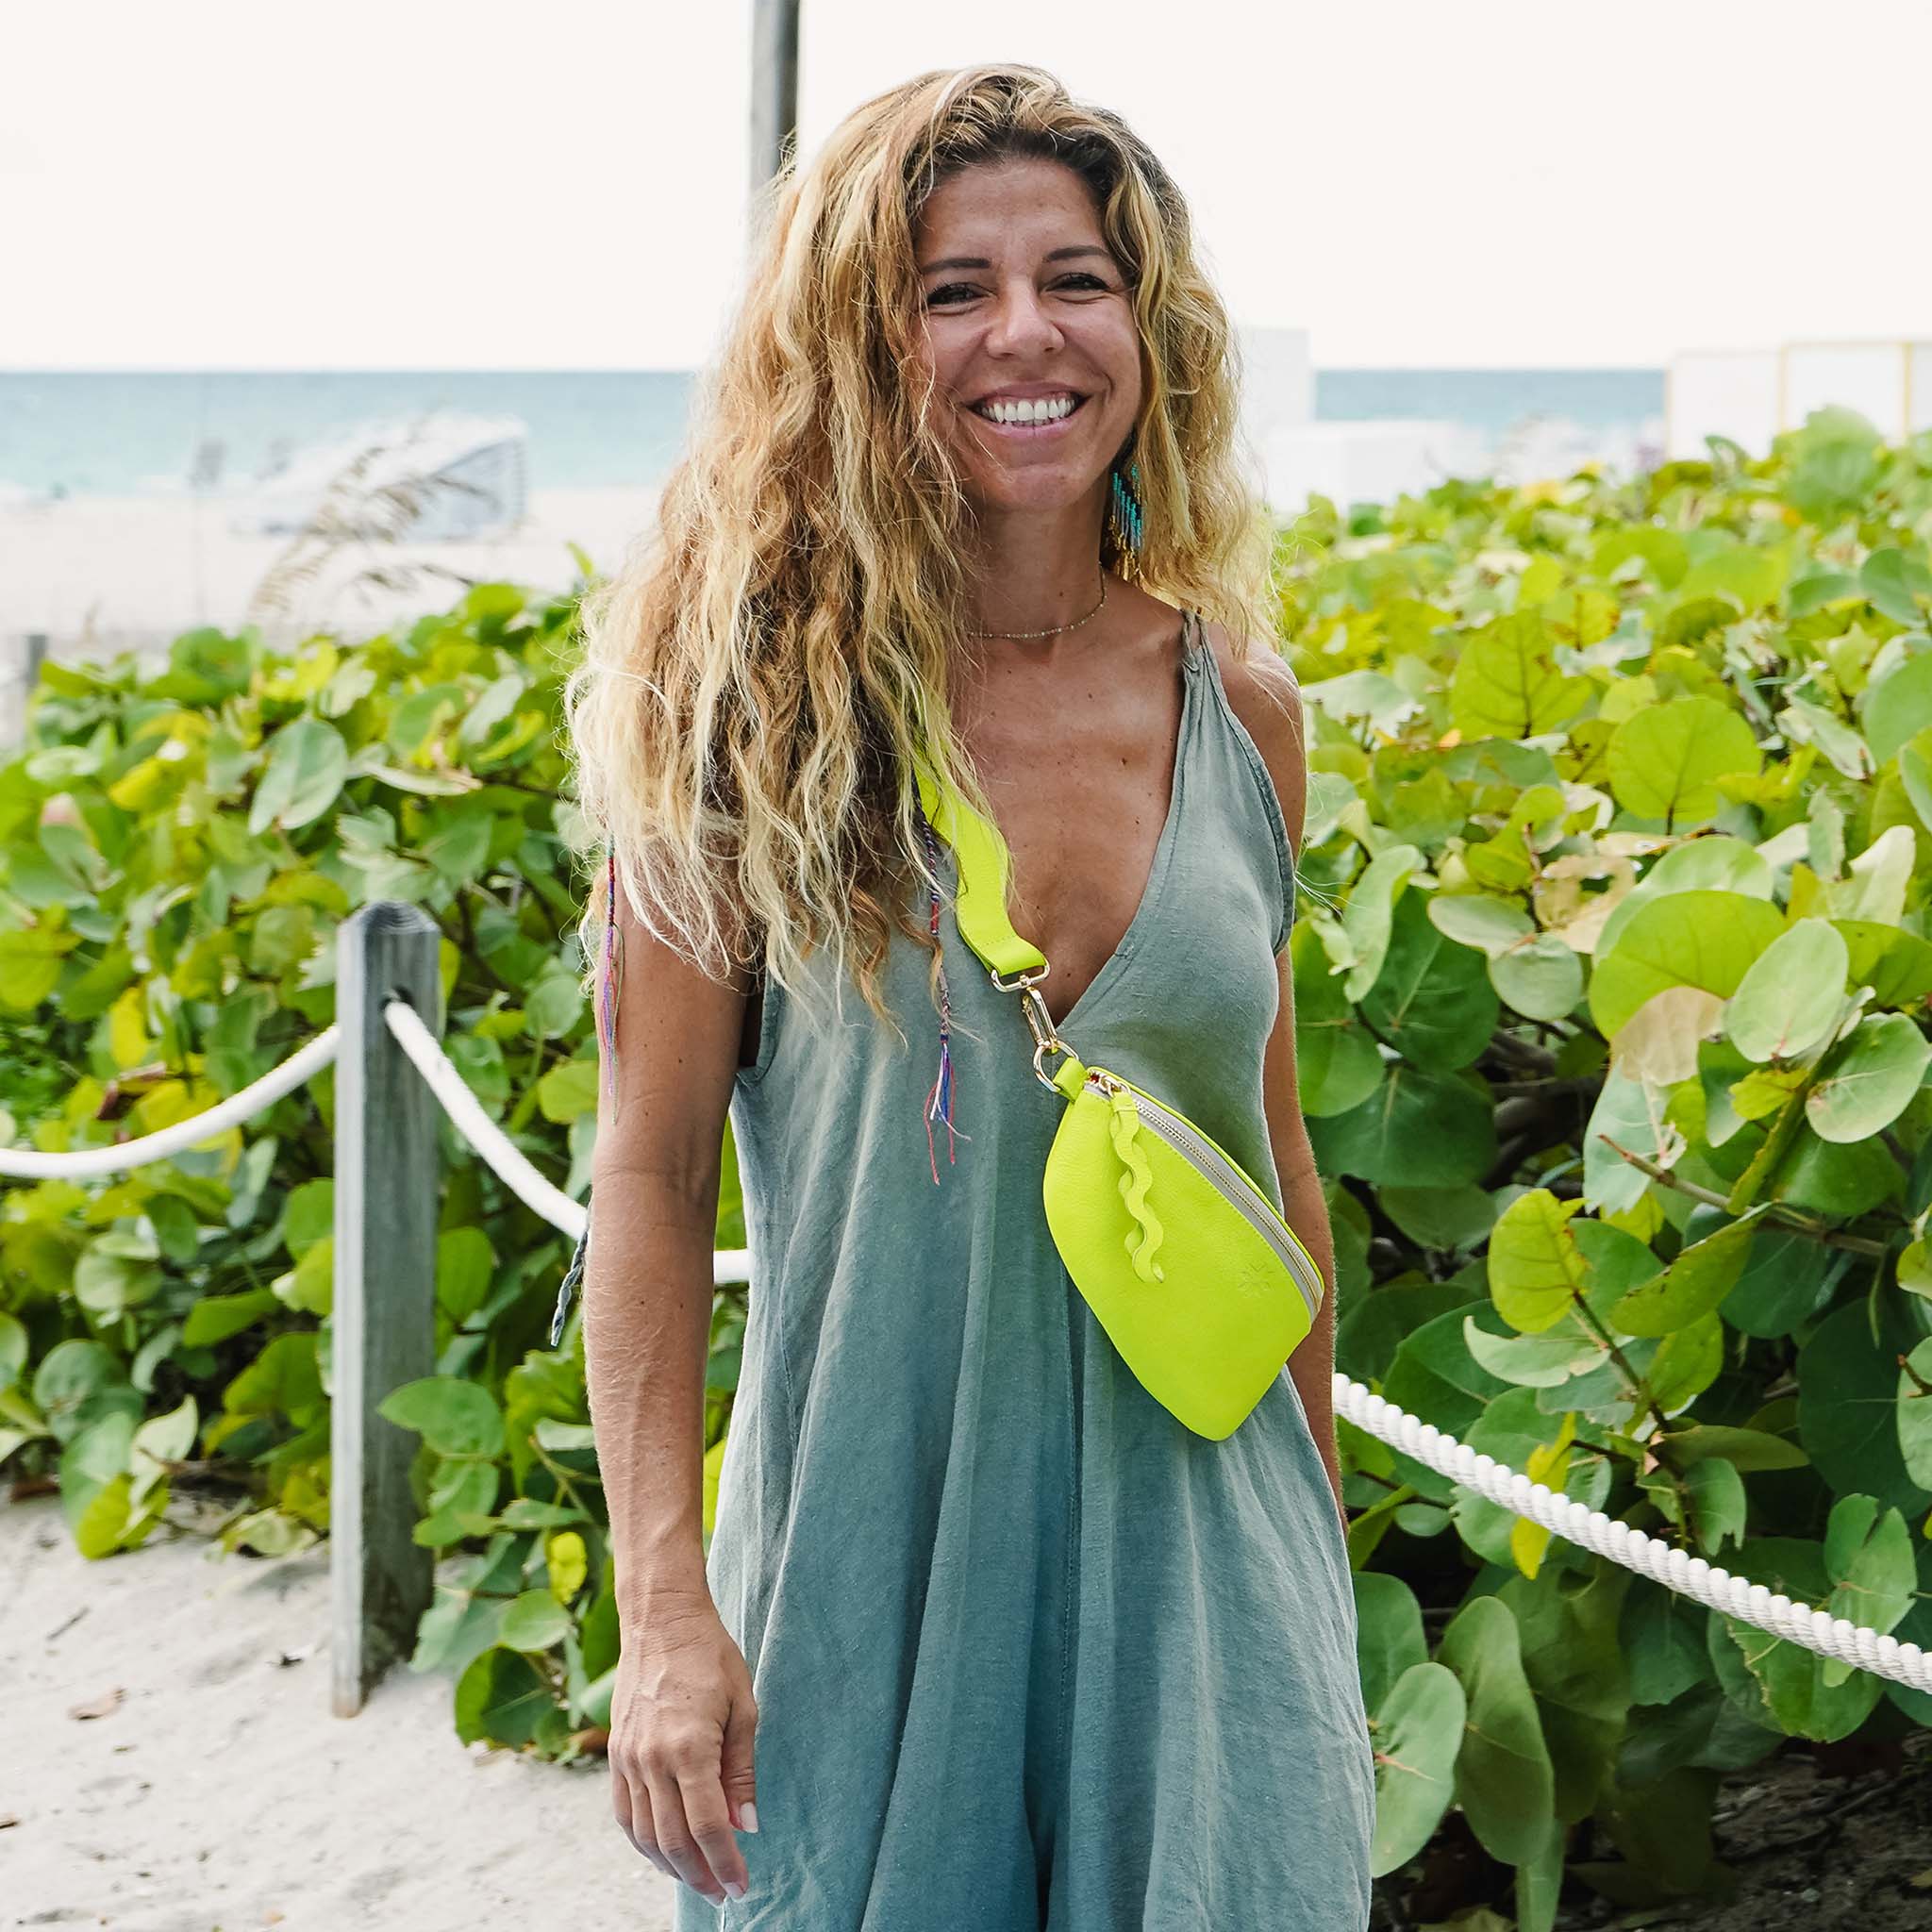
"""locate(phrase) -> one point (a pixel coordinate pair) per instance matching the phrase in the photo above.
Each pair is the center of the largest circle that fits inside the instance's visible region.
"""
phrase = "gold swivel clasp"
(1039, 1020)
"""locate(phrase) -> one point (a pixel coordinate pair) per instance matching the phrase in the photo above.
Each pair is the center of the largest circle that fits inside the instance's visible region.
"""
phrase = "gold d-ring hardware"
(1039, 1020)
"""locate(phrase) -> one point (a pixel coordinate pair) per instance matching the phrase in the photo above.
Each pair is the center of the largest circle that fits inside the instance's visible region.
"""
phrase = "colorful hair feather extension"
(938, 1099)
(612, 976)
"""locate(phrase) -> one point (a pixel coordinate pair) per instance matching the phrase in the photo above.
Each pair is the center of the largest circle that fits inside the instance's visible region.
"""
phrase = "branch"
(1826, 1237)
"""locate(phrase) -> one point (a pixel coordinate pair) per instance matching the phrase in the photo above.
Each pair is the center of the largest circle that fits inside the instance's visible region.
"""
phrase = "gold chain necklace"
(1017, 635)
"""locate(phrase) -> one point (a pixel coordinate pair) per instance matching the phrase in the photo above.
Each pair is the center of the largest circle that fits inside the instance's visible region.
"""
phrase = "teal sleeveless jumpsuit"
(1029, 1655)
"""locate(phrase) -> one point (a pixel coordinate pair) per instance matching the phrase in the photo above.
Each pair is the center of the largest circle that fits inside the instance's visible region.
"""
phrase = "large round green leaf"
(453, 1416)
(1445, 1217)
(1434, 1377)
(1419, 1129)
(1793, 995)
(1714, 862)
(1688, 1360)
(1915, 1414)
(1536, 1268)
(1338, 1064)
(1665, 761)
(1843, 1178)
(1895, 964)
(1898, 583)
(535, 1621)
(1794, 1680)
(1848, 1402)
(1389, 1632)
(1787, 1277)
(1541, 979)
(1418, 1734)
(308, 764)
(1506, 684)
(1368, 918)
(499, 1699)
(1503, 1777)
(1432, 1001)
(1695, 1284)
(1868, 1079)
(1706, 940)
(1627, 1115)
(1898, 706)
(1479, 920)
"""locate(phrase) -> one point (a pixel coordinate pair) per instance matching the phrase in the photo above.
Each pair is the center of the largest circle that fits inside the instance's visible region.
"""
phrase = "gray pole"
(384, 1323)
(774, 86)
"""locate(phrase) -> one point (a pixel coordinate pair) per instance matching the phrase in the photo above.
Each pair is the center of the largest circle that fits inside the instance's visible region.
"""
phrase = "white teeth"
(1048, 410)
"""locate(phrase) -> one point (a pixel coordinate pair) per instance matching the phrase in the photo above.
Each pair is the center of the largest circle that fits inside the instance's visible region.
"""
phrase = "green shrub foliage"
(176, 851)
(1611, 973)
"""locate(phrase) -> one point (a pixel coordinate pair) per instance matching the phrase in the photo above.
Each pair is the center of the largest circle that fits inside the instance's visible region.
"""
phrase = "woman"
(986, 1640)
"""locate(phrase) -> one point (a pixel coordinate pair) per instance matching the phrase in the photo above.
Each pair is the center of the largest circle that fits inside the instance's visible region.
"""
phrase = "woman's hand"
(682, 1720)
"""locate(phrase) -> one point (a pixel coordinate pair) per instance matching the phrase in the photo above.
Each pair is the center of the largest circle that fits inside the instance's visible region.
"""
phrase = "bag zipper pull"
(1124, 1122)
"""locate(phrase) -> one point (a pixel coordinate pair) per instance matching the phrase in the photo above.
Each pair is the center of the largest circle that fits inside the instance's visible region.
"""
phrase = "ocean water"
(123, 432)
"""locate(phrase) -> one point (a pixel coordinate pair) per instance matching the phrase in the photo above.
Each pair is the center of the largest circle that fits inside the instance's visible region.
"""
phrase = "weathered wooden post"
(386, 1189)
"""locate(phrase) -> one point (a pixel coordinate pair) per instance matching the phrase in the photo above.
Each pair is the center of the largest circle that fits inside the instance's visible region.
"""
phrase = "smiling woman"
(985, 1635)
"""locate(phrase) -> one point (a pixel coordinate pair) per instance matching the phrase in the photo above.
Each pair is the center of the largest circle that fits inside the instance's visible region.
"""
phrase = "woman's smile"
(1029, 419)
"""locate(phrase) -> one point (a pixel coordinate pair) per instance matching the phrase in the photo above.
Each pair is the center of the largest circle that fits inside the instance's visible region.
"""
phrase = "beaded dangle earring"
(1126, 521)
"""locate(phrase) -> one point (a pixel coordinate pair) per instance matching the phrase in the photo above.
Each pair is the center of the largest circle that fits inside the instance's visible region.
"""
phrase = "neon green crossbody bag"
(1197, 1281)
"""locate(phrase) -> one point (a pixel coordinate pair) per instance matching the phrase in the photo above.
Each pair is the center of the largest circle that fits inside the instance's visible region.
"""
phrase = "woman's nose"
(1019, 319)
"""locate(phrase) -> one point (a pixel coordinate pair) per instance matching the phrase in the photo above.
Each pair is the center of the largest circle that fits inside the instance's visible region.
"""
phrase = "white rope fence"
(453, 1095)
(24, 1164)
(1734, 1596)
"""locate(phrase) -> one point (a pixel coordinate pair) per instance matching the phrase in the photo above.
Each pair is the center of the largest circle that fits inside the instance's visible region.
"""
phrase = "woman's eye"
(940, 295)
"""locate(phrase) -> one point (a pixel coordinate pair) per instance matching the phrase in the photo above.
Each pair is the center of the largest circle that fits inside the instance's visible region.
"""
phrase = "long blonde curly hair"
(759, 673)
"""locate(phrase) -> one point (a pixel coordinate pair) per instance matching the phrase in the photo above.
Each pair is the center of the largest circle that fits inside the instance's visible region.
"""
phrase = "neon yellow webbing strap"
(985, 868)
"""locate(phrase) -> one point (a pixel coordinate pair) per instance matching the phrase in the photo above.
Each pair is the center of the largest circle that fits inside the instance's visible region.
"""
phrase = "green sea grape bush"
(1612, 977)
(178, 849)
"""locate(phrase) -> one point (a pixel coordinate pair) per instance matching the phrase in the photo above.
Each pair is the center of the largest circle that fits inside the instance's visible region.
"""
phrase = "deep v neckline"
(1193, 641)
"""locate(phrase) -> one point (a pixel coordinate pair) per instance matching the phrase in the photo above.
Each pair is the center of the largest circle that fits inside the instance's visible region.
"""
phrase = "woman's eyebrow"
(980, 261)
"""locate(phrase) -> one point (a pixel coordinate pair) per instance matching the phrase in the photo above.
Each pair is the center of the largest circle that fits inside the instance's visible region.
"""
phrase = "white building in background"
(1348, 462)
(1751, 395)
(1375, 459)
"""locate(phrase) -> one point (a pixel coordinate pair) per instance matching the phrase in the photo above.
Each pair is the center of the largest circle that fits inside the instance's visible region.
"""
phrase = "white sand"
(135, 570)
(98, 575)
(218, 1794)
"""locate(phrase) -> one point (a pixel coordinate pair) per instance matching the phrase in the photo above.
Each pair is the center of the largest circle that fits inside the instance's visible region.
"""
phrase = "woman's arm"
(1267, 699)
(1312, 1364)
(648, 1284)
(683, 1716)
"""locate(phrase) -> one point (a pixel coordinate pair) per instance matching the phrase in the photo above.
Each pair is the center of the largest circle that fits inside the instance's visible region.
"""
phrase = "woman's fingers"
(741, 1728)
(709, 1819)
(677, 1836)
(633, 1808)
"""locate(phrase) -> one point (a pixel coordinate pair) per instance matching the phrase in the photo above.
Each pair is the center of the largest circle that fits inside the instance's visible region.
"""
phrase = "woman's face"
(1023, 300)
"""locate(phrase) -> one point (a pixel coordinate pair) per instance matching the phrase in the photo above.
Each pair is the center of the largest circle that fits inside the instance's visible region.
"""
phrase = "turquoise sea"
(119, 432)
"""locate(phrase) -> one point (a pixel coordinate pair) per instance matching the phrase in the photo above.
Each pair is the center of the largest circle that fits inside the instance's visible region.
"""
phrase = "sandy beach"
(136, 571)
(172, 1765)
(98, 575)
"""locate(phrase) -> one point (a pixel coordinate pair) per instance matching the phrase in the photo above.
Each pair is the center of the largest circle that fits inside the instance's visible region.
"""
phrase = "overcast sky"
(419, 184)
